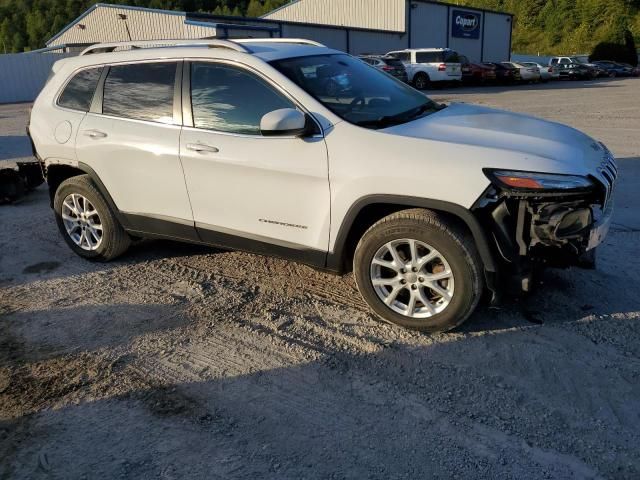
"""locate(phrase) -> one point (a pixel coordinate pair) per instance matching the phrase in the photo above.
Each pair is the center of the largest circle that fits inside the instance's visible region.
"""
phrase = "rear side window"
(429, 57)
(228, 99)
(78, 93)
(142, 91)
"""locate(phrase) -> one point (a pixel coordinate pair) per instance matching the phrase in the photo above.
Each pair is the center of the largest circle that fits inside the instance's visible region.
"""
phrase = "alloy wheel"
(82, 222)
(412, 278)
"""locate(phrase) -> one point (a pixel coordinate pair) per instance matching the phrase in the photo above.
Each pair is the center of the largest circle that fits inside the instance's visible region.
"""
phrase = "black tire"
(453, 243)
(421, 81)
(115, 240)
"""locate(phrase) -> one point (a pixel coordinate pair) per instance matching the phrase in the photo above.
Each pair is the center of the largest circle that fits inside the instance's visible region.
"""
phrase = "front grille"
(608, 173)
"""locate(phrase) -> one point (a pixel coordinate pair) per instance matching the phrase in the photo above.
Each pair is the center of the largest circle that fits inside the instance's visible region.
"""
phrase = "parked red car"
(476, 72)
(504, 74)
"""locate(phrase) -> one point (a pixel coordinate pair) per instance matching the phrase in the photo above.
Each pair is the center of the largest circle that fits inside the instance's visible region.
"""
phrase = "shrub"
(618, 52)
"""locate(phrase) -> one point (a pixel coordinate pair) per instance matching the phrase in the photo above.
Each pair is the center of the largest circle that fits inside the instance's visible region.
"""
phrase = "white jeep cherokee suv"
(292, 149)
(426, 66)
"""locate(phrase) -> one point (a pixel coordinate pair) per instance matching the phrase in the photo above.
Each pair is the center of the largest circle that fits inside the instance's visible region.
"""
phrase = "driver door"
(268, 194)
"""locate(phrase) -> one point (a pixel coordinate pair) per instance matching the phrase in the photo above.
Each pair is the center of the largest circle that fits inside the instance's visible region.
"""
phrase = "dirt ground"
(179, 361)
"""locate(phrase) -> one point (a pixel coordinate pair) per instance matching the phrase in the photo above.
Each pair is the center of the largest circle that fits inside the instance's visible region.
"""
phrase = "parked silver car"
(527, 73)
(546, 72)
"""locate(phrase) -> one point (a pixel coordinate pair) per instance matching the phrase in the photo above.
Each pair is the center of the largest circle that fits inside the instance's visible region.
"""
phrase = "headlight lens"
(513, 179)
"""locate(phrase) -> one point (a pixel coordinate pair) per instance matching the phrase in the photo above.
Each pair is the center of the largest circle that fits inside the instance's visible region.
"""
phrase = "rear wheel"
(416, 270)
(86, 222)
(421, 81)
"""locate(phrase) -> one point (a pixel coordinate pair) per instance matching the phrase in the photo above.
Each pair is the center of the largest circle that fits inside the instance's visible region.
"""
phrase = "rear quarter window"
(78, 93)
(429, 57)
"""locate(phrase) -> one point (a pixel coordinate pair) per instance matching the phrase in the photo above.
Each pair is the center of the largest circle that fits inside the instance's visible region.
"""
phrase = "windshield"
(356, 92)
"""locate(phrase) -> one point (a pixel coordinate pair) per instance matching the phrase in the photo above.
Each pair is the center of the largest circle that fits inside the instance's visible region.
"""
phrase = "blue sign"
(465, 24)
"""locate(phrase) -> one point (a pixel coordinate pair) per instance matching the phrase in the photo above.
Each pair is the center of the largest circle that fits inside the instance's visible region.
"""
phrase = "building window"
(142, 91)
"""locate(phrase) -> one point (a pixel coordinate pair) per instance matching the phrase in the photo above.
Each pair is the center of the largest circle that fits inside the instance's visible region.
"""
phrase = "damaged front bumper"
(547, 229)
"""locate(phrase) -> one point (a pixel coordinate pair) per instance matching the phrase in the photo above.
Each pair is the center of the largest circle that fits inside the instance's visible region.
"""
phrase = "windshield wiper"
(401, 117)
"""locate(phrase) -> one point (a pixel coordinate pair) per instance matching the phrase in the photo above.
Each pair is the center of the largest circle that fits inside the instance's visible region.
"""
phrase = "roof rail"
(110, 47)
(302, 41)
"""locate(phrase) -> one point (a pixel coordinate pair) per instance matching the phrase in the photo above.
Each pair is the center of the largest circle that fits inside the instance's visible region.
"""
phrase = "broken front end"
(538, 219)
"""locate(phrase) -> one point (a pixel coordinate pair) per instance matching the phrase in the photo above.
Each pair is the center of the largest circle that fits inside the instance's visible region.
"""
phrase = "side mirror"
(286, 121)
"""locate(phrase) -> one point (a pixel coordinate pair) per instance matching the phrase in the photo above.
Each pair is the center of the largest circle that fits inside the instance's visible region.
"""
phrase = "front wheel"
(419, 271)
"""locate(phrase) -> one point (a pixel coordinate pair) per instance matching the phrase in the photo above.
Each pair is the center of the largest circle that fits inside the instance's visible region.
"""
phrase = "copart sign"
(465, 24)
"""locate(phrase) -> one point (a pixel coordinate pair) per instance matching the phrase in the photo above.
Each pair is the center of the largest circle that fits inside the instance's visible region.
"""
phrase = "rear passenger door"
(131, 139)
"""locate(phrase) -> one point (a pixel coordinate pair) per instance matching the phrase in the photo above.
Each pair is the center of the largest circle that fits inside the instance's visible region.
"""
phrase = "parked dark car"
(390, 65)
(614, 69)
(576, 71)
(505, 73)
(476, 72)
(635, 71)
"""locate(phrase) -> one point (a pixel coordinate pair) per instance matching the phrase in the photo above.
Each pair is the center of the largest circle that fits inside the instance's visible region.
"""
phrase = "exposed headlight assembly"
(538, 182)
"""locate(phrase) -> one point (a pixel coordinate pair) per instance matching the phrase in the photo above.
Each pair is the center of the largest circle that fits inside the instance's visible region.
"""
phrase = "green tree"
(255, 9)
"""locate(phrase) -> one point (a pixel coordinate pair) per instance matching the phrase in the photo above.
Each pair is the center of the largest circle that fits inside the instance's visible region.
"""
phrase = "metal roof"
(108, 5)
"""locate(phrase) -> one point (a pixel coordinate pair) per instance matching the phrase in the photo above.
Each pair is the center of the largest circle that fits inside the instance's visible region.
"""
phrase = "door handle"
(94, 134)
(202, 148)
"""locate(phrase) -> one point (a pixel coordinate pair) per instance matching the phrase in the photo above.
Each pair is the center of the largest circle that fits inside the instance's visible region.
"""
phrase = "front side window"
(364, 96)
(142, 91)
(78, 93)
(229, 99)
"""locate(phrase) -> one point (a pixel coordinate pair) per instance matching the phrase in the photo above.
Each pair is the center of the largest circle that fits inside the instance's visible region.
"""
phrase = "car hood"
(569, 149)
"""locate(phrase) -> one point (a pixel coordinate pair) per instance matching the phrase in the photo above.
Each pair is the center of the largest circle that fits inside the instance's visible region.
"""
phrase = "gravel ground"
(179, 361)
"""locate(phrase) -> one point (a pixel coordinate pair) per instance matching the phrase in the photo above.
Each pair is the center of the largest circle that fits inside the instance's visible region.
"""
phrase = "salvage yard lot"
(181, 361)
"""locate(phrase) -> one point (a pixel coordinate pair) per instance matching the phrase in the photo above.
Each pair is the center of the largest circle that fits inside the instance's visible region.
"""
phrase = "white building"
(354, 26)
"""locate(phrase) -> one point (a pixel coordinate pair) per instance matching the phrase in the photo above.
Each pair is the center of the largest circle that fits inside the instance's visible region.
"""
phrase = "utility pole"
(123, 17)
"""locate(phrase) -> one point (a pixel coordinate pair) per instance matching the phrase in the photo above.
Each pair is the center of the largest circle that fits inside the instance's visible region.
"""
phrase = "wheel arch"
(59, 172)
(422, 73)
(368, 210)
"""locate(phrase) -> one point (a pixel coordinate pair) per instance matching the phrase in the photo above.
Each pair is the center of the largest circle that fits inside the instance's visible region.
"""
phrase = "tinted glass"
(452, 57)
(79, 91)
(402, 56)
(228, 99)
(428, 57)
(392, 62)
(142, 91)
(361, 95)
